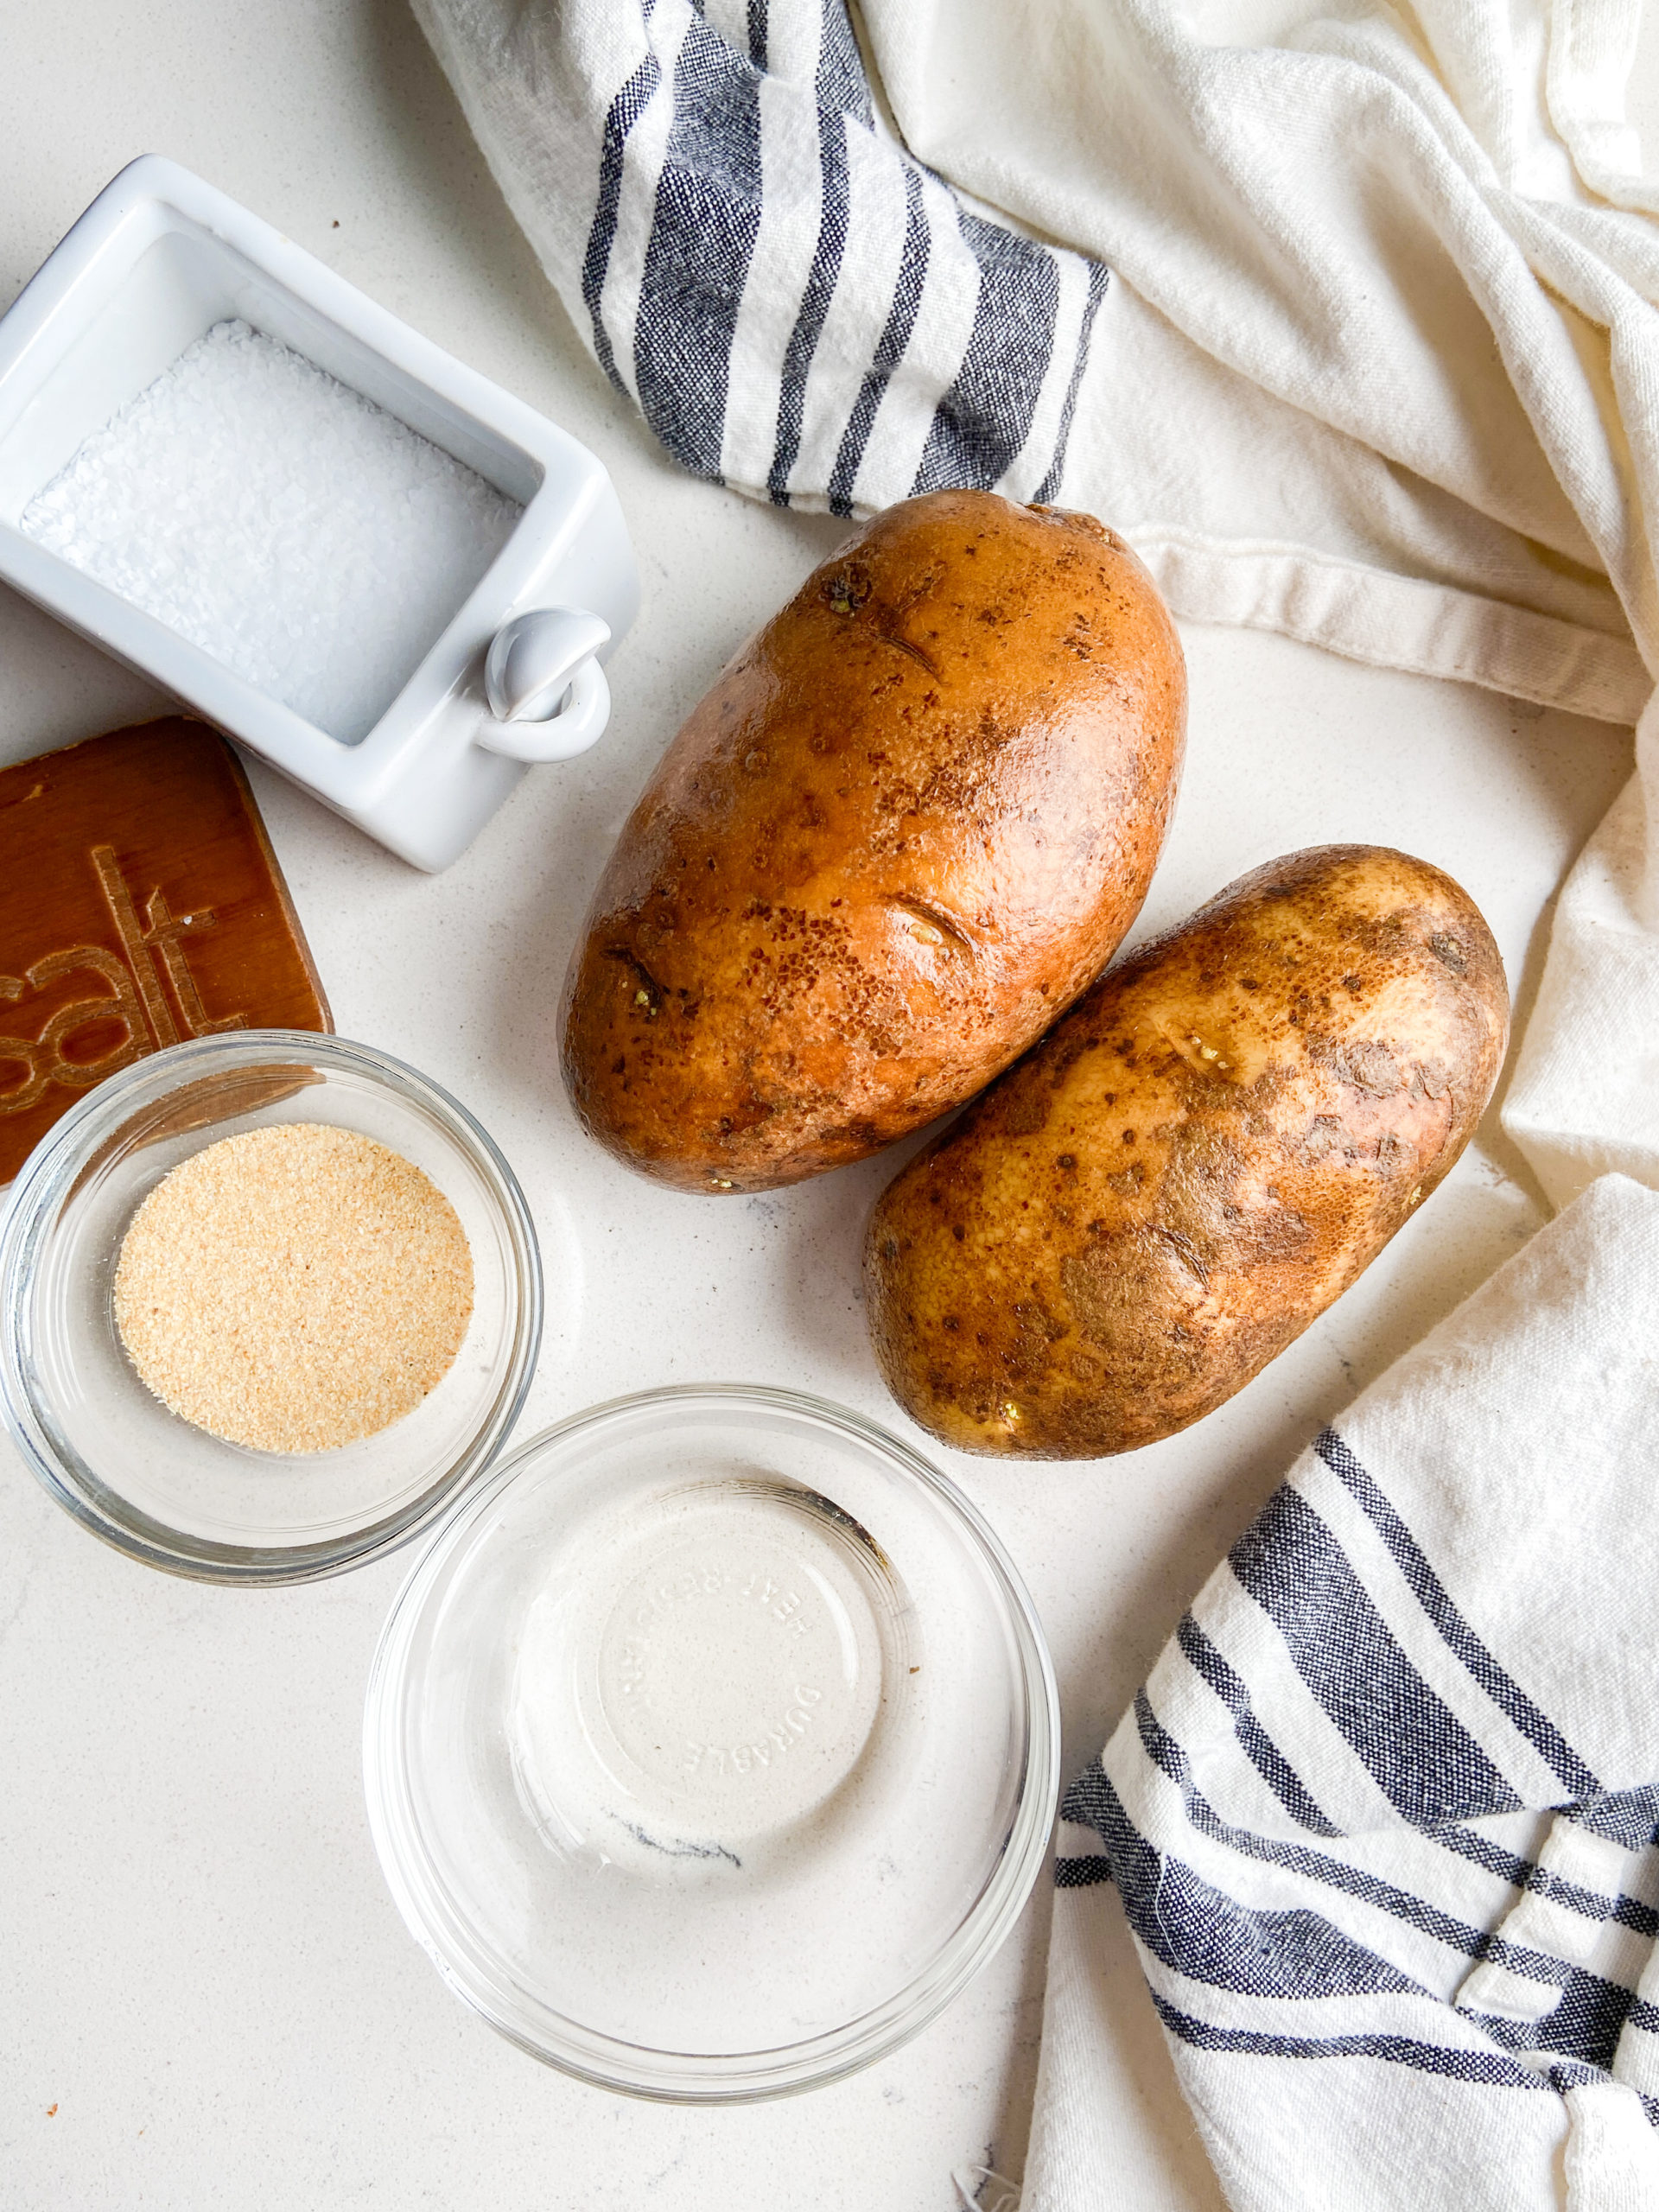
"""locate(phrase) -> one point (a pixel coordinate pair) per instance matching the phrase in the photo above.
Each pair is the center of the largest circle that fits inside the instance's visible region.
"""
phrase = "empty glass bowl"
(110, 1453)
(711, 1744)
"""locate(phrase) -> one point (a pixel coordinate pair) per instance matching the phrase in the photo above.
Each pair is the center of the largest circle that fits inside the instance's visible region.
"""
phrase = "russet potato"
(912, 819)
(1193, 1163)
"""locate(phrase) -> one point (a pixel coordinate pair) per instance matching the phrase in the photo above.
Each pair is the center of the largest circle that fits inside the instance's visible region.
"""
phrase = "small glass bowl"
(711, 1746)
(155, 1485)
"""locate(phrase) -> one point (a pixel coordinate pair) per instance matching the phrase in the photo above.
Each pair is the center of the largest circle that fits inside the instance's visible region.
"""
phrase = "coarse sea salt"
(300, 534)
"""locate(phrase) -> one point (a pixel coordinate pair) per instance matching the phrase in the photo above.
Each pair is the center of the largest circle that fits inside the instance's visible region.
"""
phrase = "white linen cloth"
(1383, 1818)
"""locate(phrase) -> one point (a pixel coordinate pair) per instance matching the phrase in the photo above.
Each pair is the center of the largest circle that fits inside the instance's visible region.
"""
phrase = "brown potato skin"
(912, 819)
(1189, 1168)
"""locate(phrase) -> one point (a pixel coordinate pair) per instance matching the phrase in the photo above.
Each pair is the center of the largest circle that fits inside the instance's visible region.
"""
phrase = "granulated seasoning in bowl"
(269, 1302)
(293, 1288)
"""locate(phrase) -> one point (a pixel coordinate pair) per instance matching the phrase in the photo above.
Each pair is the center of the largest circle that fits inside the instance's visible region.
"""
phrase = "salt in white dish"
(293, 530)
(159, 259)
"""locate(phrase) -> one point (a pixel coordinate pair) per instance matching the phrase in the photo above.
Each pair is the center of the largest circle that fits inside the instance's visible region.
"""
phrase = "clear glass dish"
(711, 1746)
(112, 1454)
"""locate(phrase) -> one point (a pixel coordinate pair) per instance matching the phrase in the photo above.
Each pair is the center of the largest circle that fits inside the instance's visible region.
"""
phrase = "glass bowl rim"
(607, 2062)
(28, 1211)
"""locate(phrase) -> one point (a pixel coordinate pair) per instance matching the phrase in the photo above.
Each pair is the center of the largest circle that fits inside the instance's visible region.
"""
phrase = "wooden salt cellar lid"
(140, 904)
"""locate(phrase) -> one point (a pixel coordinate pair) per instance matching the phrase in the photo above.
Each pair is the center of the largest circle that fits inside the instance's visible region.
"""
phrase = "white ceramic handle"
(580, 720)
(548, 697)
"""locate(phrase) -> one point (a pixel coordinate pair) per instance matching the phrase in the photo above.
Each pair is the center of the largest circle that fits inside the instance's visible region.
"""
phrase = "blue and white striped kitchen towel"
(1382, 1821)
(797, 308)
(802, 308)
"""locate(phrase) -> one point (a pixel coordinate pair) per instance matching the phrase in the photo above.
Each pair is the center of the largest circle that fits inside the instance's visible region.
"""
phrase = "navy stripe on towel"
(1084, 1873)
(1490, 2067)
(1625, 1817)
(1091, 1801)
(1417, 1750)
(1195, 1928)
(907, 299)
(1584, 2024)
(706, 219)
(1258, 1745)
(623, 113)
(984, 419)
(1526, 1874)
(841, 84)
(1460, 1936)
(1050, 487)
(841, 90)
(1504, 1692)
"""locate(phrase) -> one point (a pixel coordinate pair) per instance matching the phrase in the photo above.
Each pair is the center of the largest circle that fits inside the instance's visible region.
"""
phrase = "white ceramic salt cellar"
(159, 259)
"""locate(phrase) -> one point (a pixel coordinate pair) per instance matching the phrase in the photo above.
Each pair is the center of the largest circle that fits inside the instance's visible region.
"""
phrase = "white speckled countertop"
(206, 1998)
